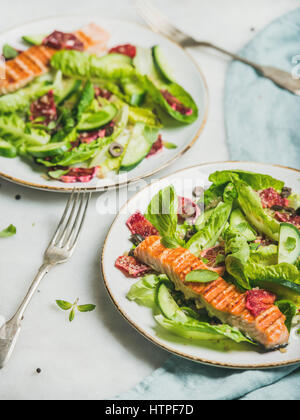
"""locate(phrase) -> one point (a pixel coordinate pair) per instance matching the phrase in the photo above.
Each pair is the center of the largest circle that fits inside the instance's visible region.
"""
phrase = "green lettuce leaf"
(178, 92)
(208, 236)
(193, 329)
(265, 255)
(256, 181)
(145, 116)
(21, 100)
(14, 130)
(162, 213)
(240, 223)
(81, 65)
(282, 279)
(250, 203)
(213, 196)
(143, 292)
(237, 255)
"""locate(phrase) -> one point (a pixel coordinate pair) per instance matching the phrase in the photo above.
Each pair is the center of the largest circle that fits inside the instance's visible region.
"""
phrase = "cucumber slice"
(7, 150)
(139, 146)
(34, 39)
(289, 244)
(135, 92)
(165, 302)
(144, 64)
(49, 150)
(239, 221)
(98, 119)
(69, 87)
(162, 64)
(115, 60)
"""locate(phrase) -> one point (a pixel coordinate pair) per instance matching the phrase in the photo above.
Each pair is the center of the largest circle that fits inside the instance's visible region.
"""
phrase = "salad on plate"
(77, 109)
(224, 265)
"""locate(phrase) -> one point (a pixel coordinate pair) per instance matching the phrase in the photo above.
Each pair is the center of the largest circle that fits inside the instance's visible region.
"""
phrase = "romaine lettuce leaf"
(145, 116)
(208, 236)
(202, 331)
(21, 100)
(282, 279)
(14, 130)
(162, 212)
(256, 181)
(250, 203)
(82, 65)
(237, 254)
(143, 292)
(239, 222)
(178, 92)
(265, 255)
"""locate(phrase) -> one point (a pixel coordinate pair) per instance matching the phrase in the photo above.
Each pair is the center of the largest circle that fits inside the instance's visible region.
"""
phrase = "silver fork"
(59, 251)
(158, 23)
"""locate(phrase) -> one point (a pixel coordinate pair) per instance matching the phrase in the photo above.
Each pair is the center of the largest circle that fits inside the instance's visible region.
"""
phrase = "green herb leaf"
(201, 276)
(64, 305)
(290, 244)
(9, 52)
(168, 145)
(86, 308)
(72, 315)
(10, 231)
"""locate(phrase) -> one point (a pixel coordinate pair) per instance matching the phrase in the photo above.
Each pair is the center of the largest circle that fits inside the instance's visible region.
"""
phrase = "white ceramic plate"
(186, 70)
(117, 242)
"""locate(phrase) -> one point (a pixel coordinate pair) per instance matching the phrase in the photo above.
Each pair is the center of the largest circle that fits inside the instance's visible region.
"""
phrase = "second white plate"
(117, 242)
(187, 73)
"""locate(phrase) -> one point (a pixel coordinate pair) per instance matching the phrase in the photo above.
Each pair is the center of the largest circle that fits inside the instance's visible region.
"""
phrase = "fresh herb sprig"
(73, 308)
(9, 231)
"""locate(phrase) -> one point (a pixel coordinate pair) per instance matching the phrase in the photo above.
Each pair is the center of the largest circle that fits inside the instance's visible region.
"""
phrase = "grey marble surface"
(100, 355)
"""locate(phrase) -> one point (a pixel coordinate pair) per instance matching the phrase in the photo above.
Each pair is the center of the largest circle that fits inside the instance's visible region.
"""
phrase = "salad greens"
(67, 120)
(240, 233)
(180, 322)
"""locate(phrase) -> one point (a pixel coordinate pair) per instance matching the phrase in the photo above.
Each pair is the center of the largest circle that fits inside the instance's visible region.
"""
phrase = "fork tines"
(72, 220)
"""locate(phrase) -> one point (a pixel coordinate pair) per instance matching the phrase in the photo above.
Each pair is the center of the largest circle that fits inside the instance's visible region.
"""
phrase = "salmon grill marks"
(36, 60)
(222, 299)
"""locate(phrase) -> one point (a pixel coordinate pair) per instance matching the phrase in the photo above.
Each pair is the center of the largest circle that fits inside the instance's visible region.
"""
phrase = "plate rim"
(156, 341)
(136, 179)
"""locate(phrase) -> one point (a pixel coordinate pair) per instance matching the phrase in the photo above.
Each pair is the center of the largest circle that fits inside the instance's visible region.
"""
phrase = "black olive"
(136, 239)
(198, 191)
(277, 208)
(290, 210)
(116, 149)
(298, 211)
(286, 192)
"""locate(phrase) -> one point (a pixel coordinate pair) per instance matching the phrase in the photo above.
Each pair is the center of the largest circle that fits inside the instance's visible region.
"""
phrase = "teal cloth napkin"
(263, 125)
(262, 120)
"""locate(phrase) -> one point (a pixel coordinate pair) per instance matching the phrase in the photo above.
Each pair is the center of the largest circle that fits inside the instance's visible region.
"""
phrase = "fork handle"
(193, 43)
(11, 330)
(280, 77)
(44, 269)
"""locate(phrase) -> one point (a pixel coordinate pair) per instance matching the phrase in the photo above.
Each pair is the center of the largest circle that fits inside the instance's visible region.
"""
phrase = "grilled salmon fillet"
(221, 299)
(36, 60)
